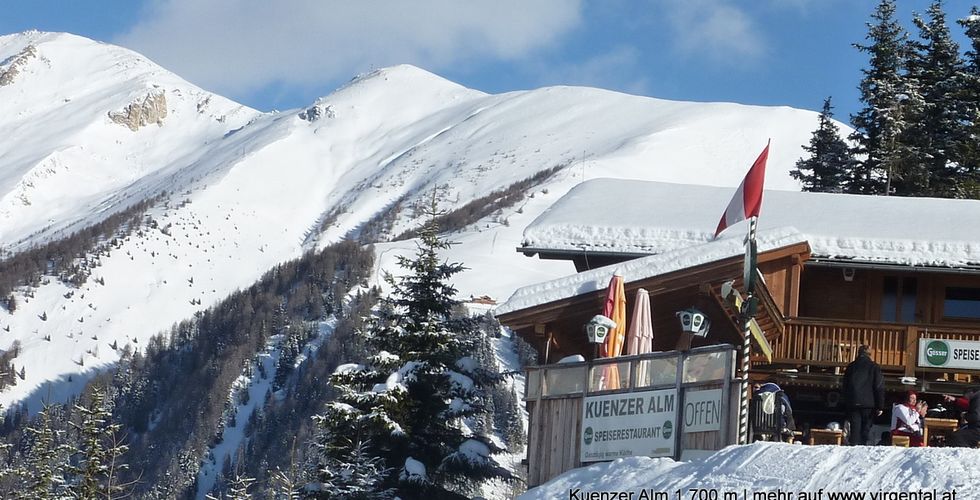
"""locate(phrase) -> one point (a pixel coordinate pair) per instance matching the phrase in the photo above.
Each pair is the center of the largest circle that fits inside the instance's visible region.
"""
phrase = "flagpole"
(744, 316)
(746, 204)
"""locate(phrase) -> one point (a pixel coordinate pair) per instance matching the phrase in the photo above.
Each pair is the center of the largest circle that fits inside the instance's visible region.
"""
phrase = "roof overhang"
(718, 270)
(889, 266)
(567, 254)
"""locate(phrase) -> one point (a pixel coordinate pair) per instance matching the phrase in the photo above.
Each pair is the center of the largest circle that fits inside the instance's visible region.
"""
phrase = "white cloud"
(238, 46)
(716, 29)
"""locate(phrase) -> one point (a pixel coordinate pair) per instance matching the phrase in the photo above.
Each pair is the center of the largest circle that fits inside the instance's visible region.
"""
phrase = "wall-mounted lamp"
(694, 322)
(598, 327)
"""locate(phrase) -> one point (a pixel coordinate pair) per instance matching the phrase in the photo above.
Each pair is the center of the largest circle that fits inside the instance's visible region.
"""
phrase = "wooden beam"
(795, 274)
(911, 347)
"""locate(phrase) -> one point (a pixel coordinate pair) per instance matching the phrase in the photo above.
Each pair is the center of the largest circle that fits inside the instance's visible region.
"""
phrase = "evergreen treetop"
(879, 123)
(409, 404)
(830, 160)
(937, 123)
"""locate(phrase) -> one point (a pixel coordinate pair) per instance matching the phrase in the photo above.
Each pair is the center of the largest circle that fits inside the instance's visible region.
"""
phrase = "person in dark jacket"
(863, 394)
(787, 422)
(969, 435)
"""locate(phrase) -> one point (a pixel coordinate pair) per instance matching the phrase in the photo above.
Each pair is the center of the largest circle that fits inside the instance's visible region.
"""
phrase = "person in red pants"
(967, 436)
(907, 420)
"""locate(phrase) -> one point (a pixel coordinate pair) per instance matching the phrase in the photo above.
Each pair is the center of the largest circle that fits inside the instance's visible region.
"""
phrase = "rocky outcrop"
(151, 109)
(317, 111)
(13, 65)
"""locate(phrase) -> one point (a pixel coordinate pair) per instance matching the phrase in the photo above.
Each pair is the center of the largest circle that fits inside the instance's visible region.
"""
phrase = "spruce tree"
(969, 148)
(410, 403)
(830, 160)
(938, 123)
(99, 465)
(238, 488)
(516, 435)
(285, 485)
(41, 476)
(878, 125)
(354, 475)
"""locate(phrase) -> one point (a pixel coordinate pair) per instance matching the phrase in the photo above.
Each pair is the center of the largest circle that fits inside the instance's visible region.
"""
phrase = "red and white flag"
(747, 201)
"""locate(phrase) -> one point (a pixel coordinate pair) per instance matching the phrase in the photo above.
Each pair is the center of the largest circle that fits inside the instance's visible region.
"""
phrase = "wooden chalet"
(839, 271)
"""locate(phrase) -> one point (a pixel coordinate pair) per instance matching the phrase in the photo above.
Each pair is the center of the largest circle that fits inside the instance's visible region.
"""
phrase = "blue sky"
(283, 54)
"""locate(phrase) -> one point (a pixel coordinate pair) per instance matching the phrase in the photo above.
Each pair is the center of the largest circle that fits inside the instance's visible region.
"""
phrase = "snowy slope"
(787, 468)
(249, 190)
(64, 160)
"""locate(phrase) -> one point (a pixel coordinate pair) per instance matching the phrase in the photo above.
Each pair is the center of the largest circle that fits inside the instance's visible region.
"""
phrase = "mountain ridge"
(246, 190)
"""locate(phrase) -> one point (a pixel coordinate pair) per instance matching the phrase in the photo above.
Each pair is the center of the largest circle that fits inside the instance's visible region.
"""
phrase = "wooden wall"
(825, 294)
(553, 445)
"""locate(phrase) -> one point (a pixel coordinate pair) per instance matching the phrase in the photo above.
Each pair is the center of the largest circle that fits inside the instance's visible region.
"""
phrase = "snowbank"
(864, 471)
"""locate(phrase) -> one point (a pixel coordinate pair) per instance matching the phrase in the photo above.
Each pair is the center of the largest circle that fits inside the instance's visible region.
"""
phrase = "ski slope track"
(89, 129)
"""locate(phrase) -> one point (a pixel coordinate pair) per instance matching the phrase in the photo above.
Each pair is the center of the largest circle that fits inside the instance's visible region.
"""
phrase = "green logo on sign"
(937, 353)
(668, 429)
(588, 435)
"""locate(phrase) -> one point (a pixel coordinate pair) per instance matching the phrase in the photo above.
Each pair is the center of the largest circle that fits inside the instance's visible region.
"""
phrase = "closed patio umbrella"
(639, 337)
(614, 309)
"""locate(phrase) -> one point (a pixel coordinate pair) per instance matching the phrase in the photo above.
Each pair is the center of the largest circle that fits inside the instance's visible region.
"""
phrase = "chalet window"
(962, 302)
(898, 299)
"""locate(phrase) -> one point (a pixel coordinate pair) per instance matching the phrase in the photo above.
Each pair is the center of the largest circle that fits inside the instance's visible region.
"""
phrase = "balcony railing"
(825, 343)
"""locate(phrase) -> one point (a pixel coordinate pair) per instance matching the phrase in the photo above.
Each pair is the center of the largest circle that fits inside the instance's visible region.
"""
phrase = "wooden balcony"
(807, 343)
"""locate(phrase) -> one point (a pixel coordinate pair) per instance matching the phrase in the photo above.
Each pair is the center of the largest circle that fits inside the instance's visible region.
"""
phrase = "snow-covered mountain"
(89, 129)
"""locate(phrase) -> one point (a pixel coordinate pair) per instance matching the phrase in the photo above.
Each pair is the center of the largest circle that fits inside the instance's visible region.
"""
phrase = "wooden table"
(940, 426)
(823, 436)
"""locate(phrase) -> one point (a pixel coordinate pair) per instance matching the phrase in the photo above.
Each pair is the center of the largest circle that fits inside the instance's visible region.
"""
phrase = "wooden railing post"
(911, 349)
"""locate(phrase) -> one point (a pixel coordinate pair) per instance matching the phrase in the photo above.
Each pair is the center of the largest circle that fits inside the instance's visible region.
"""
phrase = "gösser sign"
(630, 424)
(937, 353)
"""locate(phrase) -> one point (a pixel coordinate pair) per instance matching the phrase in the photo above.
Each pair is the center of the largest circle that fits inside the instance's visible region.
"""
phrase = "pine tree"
(353, 476)
(290, 349)
(969, 148)
(238, 488)
(937, 123)
(830, 160)
(514, 431)
(99, 464)
(409, 403)
(285, 485)
(40, 476)
(878, 125)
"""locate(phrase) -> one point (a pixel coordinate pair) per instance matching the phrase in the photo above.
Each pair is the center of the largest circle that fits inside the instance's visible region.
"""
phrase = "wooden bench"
(823, 436)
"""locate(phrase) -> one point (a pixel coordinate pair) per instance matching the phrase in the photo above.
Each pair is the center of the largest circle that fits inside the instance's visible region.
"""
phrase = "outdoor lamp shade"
(598, 328)
(694, 322)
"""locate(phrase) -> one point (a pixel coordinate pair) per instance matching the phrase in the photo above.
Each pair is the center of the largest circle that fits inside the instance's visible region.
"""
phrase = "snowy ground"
(776, 471)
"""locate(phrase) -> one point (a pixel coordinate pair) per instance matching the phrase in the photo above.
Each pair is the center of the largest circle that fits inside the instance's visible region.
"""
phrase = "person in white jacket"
(907, 421)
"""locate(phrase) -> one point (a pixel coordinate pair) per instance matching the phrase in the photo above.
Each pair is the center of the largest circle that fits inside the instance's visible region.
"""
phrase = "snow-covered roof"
(729, 245)
(637, 217)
